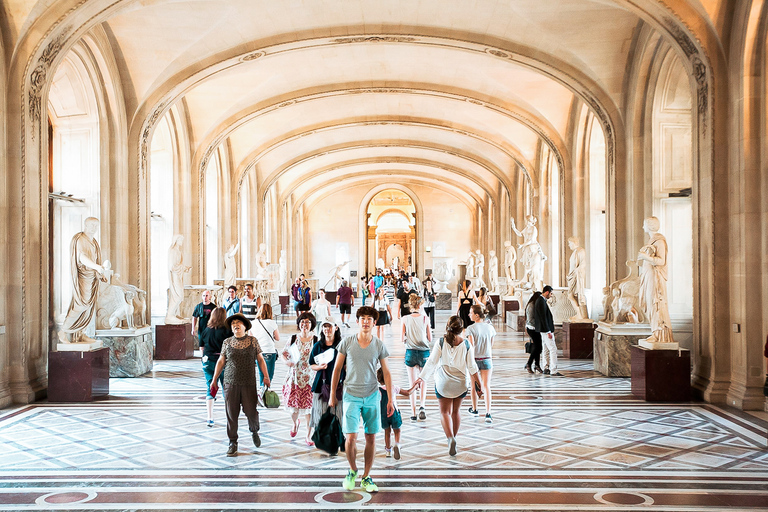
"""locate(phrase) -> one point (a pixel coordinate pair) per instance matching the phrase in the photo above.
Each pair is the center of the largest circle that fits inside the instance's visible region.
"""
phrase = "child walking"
(394, 422)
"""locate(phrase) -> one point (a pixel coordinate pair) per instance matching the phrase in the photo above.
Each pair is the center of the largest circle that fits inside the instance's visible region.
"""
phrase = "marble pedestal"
(443, 301)
(330, 296)
(174, 342)
(285, 304)
(611, 344)
(130, 351)
(75, 376)
(515, 321)
(578, 340)
(661, 375)
(509, 304)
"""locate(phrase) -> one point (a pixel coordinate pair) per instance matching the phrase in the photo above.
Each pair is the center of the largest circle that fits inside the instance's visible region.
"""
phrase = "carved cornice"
(39, 76)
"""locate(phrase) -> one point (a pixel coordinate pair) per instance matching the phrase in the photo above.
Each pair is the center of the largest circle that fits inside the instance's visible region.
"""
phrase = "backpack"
(328, 435)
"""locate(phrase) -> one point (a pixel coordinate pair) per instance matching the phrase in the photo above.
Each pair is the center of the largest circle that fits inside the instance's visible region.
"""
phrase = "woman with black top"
(211, 339)
(466, 300)
(530, 328)
(429, 301)
(330, 337)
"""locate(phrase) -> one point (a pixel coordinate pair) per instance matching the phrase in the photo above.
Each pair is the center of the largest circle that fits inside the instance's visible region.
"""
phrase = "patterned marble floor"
(579, 442)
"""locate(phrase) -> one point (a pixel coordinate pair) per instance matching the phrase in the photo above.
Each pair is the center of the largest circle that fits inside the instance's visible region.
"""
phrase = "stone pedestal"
(509, 304)
(330, 296)
(515, 321)
(75, 376)
(611, 344)
(130, 351)
(578, 340)
(661, 375)
(443, 301)
(174, 342)
(285, 304)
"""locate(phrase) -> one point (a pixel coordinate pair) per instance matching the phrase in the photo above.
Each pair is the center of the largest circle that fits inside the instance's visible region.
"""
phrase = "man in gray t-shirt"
(362, 353)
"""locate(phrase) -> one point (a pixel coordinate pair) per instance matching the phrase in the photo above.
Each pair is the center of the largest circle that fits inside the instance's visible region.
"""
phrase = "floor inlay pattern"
(579, 442)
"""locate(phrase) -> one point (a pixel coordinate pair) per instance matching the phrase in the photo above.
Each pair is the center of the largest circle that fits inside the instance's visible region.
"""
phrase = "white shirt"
(452, 366)
(265, 334)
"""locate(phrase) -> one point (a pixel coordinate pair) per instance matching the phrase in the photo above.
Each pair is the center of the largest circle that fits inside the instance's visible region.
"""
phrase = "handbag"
(328, 435)
(528, 347)
(271, 399)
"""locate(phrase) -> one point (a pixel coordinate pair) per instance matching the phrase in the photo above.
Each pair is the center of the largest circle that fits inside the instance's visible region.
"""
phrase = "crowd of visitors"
(350, 375)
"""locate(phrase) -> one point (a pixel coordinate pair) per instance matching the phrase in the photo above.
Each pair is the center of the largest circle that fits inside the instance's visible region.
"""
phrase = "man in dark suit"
(544, 324)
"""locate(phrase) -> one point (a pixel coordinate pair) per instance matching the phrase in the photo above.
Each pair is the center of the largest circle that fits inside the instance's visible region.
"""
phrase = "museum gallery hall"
(160, 158)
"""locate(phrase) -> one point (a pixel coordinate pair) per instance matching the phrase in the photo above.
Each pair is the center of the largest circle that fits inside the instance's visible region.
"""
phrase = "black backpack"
(328, 435)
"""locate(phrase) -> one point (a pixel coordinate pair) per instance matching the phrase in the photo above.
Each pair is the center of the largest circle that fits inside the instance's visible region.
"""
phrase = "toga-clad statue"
(261, 262)
(176, 271)
(87, 271)
(479, 268)
(531, 254)
(653, 283)
(577, 280)
(230, 266)
(510, 258)
(493, 271)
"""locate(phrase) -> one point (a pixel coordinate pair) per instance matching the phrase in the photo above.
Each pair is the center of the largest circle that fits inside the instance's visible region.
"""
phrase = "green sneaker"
(349, 481)
(368, 485)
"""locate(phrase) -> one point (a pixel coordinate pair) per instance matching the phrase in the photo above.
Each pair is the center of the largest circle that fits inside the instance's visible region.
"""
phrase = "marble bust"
(653, 287)
(87, 272)
(176, 271)
(230, 266)
(577, 280)
(493, 271)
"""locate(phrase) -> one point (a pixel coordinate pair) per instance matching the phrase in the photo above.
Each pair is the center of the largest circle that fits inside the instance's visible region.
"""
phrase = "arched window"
(75, 181)
(597, 234)
(212, 173)
(162, 207)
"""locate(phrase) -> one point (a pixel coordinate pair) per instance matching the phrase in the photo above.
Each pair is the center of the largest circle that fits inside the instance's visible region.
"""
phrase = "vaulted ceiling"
(307, 95)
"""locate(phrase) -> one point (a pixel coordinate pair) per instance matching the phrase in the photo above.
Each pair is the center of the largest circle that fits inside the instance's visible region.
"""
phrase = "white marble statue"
(230, 266)
(120, 305)
(531, 254)
(653, 285)
(510, 258)
(87, 272)
(470, 267)
(176, 271)
(577, 280)
(261, 262)
(621, 301)
(493, 272)
(479, 269)
(283, 284)
(336, 276)
(442, 273)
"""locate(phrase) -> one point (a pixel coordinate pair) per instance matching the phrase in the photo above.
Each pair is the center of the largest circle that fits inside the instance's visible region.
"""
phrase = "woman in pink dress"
(297, 389)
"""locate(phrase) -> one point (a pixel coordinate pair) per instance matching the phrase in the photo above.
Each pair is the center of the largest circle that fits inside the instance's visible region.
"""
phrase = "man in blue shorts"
(363, 353)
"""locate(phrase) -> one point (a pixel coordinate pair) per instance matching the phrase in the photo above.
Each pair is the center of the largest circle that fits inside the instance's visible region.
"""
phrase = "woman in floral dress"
(297, 390)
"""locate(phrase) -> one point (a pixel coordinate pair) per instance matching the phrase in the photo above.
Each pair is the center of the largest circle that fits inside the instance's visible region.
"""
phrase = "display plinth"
(443, 301)
(130, 351)
(515, 321)
(285, 304)
(661, 375)
(78, 376)
(578, 340)
(174, 342)
(330, 296)
(509, 304)
(611, 346)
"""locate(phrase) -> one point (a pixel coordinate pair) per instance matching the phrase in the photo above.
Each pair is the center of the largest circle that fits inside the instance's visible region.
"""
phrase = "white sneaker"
(396, 451)
(389, 452)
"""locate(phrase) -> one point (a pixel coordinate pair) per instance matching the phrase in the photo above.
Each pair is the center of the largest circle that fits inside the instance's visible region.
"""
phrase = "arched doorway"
(391, 233)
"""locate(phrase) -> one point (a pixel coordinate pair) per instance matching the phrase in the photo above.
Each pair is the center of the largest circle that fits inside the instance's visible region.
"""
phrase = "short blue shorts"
(484, 363)
(368, 408)
(415, 357)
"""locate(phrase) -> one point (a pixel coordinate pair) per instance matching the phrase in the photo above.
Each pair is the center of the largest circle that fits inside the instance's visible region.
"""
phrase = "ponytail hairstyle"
(466, 285)
(453, 328)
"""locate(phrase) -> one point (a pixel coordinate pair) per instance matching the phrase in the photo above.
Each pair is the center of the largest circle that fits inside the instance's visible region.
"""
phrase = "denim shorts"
(269, 359)
(416, 357)
(484, 363)
(209, 368)
(369, 407)
(438, 395)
